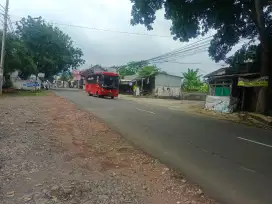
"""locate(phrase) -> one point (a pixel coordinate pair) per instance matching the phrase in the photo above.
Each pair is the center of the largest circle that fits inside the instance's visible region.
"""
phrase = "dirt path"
(52, 152)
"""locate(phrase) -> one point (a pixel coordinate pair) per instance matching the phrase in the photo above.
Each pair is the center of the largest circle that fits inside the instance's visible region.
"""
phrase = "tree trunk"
(269, 98)
(263, 95)
(262, 103)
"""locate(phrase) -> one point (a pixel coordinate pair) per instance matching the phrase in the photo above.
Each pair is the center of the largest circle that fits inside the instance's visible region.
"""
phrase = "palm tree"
(191, 80)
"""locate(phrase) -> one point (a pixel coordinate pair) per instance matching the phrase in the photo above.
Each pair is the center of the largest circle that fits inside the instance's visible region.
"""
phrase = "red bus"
(103, 84)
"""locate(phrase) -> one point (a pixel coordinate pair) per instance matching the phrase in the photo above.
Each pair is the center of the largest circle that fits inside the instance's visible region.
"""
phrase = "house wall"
(167, 85)
(98, 69)
(111, 69)
(76, 75)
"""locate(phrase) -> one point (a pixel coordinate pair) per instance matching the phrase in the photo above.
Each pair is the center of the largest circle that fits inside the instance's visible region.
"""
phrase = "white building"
(160, 85)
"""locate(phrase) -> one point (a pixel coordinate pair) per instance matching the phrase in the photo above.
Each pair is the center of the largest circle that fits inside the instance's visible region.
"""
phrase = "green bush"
(204, 88)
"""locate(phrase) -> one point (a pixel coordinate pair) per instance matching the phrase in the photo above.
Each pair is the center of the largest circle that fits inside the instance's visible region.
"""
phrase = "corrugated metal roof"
(131, 77)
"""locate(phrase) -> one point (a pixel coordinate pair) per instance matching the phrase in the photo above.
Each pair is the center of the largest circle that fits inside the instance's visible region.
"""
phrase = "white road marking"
(266, 145)
(145, 111)
(247, 169)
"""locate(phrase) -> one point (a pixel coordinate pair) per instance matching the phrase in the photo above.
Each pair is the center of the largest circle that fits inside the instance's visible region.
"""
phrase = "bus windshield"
(110, 81)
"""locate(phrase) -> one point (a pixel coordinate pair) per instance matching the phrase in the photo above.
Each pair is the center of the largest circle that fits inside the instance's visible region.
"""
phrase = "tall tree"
(131, 68)
(233, 20)
(16, 57)
(51, 50)
(66, 76)
(246, 53)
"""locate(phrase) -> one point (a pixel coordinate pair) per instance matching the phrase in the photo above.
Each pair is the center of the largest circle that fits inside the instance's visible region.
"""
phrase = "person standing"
(134, 89)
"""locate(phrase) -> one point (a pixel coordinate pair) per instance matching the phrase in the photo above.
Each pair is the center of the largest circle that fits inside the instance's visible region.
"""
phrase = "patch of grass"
(27, 93)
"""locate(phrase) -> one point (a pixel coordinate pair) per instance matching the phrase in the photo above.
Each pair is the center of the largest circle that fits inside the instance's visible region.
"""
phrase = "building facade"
(159, 85)
(167, 85)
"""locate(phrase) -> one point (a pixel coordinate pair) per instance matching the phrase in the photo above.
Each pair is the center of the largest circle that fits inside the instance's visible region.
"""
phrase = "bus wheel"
(90, 94)
(112, 97)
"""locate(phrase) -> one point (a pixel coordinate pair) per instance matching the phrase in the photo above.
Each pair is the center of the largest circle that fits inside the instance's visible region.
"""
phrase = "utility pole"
(3, 46)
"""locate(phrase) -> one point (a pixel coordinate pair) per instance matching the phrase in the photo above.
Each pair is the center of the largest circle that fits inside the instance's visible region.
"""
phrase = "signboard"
(262, 81)
(76, 75)
(31, 84)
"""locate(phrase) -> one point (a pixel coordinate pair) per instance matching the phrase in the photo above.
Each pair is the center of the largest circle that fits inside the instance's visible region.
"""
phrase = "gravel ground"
(53, 152)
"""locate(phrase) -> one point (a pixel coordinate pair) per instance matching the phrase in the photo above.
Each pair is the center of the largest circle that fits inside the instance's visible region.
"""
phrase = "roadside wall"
(195, 96)
(162, 91)
(28, 84)
(25, 84)
(222, 104)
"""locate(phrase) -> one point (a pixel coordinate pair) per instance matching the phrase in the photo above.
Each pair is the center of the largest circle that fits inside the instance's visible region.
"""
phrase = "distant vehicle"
(103, 84)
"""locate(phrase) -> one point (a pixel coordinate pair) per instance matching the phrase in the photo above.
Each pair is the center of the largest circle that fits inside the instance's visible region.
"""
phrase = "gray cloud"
(109, 48)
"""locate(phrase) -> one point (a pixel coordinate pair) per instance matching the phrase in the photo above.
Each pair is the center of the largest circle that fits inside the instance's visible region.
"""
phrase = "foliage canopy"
(233, 20)
(37, 46)
(191, 80)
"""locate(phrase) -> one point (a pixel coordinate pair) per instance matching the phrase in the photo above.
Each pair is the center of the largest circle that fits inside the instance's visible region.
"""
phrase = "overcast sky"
(109, 48)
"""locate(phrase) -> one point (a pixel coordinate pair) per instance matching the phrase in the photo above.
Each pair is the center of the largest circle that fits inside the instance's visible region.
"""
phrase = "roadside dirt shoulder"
(197, 108)
(52, 152)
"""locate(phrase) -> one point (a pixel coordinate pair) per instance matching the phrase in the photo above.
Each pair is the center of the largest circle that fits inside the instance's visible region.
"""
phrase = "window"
(110, 81)
(91, 80)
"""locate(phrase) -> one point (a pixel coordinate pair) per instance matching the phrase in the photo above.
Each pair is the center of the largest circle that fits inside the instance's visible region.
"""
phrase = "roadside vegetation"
(192, 82)
(26, 93)
(141, 68)
(39, 47)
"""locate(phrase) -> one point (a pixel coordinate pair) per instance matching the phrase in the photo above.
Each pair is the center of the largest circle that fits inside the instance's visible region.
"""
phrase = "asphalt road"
(231, 162)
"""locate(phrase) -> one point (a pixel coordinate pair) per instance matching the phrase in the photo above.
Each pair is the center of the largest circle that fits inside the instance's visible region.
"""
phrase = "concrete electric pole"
(3, 46)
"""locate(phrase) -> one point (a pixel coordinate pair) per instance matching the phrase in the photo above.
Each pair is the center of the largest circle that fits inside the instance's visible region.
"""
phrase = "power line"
(177, 52)
(201, 45)
(2, 9)
(176, 62)
(112, 31)
(188, 50)
(106, 30)
(182, 52)
(10, 25)
(184, 55)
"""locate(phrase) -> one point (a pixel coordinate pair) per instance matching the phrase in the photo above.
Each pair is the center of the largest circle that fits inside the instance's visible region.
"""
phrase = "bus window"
(91, 80)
